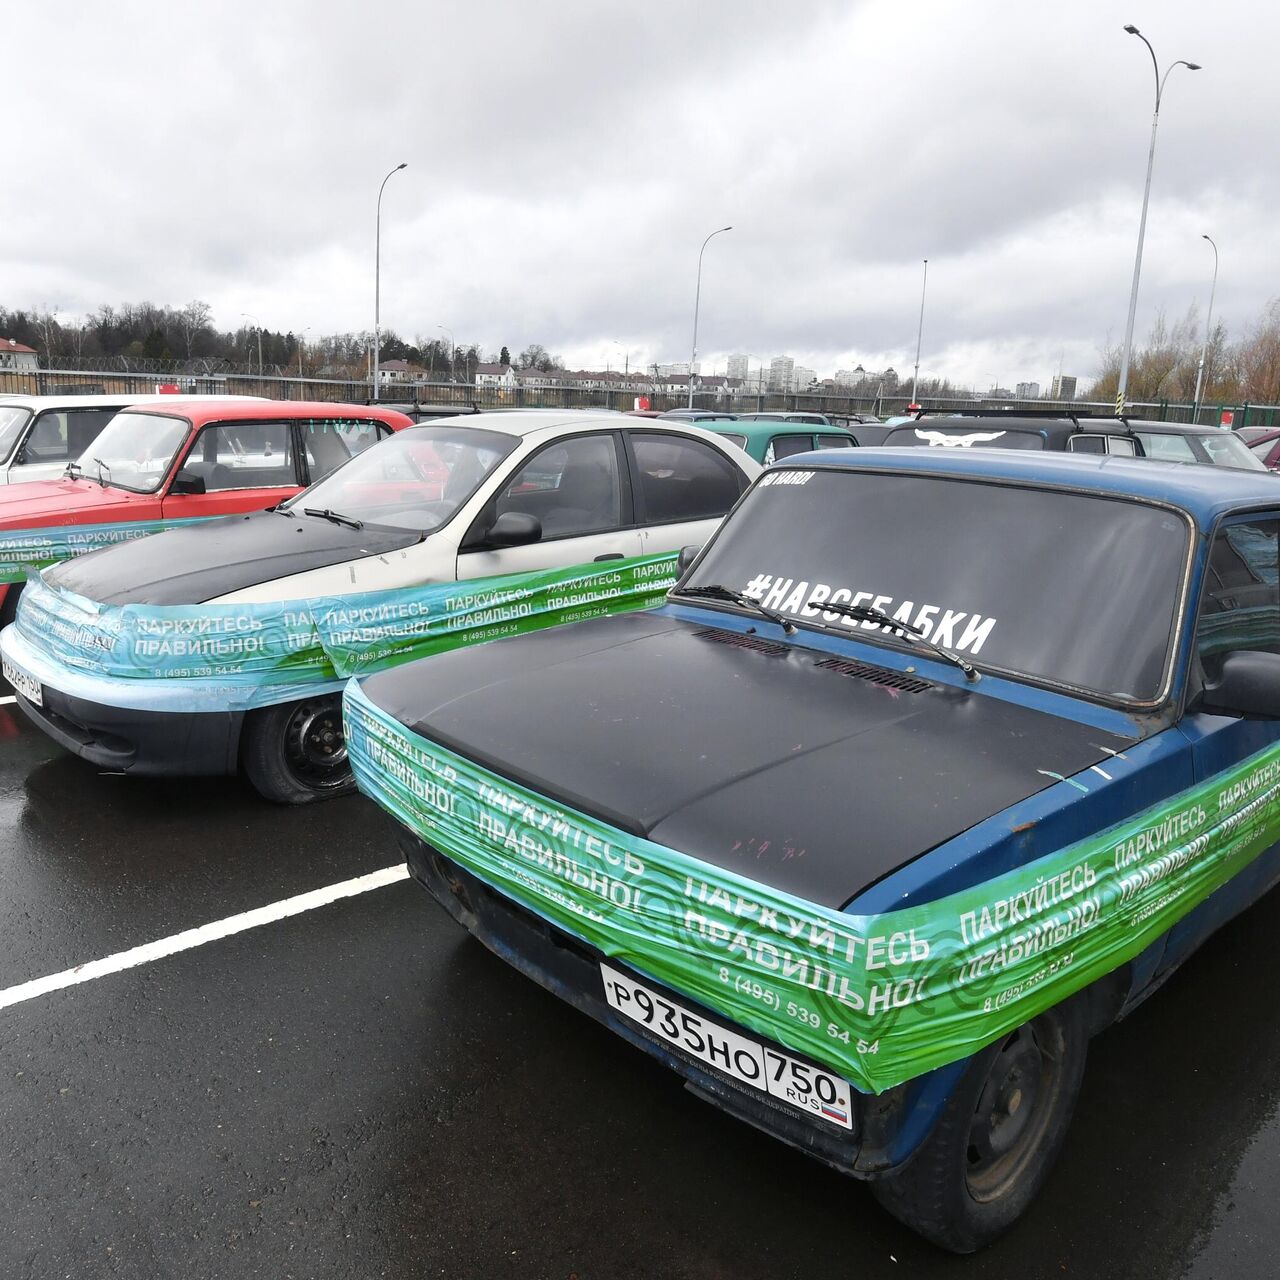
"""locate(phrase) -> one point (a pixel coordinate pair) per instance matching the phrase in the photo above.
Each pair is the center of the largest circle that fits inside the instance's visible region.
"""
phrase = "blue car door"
(1239, 609)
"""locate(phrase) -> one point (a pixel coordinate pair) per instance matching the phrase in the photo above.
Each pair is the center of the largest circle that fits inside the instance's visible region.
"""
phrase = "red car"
(1264, 444)
(161, 464)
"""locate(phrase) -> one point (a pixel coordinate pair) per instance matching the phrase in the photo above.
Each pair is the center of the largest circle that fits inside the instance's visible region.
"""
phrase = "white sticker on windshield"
(786, 477)
(957, 629)
(942, 438)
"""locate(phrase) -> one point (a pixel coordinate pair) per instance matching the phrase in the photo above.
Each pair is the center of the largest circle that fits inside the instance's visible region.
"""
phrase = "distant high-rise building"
(670, 370)
(738, 367)
(781, 370)
(802, 377)
(1028, 391)
(1063, 388)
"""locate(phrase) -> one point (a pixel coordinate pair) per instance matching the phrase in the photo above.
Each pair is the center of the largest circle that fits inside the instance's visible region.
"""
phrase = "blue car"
(934, 764)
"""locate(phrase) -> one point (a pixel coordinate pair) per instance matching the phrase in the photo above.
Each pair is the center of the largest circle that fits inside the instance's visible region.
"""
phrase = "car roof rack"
(1069, 415)
(454, 406)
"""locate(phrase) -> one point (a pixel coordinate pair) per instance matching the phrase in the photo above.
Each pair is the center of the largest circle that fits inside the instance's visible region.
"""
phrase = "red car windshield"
(134, 452)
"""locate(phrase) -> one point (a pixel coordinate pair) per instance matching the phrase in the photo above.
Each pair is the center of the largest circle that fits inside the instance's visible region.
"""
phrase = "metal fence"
(573, 396)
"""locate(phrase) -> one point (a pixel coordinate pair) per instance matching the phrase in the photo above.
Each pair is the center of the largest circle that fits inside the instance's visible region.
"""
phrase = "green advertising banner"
(233, 656)
(880, 998)
(25, 550)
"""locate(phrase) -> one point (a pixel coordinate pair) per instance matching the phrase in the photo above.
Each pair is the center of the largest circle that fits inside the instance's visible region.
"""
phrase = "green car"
(771, 439)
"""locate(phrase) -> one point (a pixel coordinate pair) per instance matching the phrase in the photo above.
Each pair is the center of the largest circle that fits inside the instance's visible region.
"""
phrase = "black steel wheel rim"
(315, 749)
(1014, 1110)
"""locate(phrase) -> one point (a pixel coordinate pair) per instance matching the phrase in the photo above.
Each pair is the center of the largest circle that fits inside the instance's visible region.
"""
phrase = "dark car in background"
(416, 411)
(698, 415)
(788, 415)
(1076, 433)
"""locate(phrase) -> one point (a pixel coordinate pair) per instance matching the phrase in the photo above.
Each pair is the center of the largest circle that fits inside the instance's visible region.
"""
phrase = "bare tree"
(193, 319)
(50, 333)
(536, 356)
(1260, 358)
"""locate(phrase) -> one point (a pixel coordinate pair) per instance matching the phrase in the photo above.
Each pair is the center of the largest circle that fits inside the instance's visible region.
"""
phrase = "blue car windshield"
(1064, 588)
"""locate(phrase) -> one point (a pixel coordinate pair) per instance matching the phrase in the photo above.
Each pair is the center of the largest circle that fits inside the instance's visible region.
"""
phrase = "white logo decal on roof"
(957, 442)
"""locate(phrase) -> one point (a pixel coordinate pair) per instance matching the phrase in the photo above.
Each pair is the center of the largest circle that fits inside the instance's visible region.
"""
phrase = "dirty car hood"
(203, 561)
(806, 777)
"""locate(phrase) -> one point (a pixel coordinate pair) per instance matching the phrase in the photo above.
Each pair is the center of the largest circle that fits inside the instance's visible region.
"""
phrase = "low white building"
(495, 375)
(400, 371)
(16, 358)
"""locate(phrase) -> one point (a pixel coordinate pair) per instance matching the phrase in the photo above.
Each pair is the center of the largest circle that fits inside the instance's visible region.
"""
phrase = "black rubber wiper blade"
(336, 516)
(717, 591)
(72, 469)
(102, 466)
(911, 633)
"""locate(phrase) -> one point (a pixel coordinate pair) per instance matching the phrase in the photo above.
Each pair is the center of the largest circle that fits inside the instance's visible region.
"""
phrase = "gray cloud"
(565, 161)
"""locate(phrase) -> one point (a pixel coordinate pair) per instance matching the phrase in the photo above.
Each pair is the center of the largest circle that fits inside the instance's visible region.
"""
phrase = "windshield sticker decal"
(950, 628)
(228, 657)
(878, 998)
(785, 477)
(949, 441)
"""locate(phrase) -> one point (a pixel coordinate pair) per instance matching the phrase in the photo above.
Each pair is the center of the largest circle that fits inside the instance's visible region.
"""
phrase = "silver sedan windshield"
(416, 479)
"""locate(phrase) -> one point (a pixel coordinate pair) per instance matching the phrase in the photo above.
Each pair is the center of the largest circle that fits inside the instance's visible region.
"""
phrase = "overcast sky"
(567, 158)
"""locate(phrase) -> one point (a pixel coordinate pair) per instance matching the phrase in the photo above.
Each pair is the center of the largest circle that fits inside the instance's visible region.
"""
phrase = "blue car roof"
(1203, 491)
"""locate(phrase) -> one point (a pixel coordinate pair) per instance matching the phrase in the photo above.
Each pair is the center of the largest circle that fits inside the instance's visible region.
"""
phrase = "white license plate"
(805, 1087)
(23, 684)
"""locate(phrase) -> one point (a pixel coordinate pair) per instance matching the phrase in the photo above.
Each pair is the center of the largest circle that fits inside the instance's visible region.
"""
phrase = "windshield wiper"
(102, 466)
(716, 591)
(336, 516)
(72, 469)
(913, 634)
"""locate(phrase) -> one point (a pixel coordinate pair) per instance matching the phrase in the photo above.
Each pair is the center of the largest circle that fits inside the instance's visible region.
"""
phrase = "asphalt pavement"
(361, 1090)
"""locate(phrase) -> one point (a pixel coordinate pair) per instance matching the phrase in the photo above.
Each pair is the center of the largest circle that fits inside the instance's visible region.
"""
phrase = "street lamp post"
(302, 340)
(697, 300)
(1208, 329)
(258, 329)
(377, 282)
(1142, 222)
(915, 377)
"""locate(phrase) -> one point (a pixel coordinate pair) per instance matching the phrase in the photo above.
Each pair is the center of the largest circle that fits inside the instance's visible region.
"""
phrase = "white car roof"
(524, 422)
(548, 422)
(99, 400)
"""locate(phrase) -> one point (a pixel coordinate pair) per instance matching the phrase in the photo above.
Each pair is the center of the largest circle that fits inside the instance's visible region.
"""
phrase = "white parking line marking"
(7, 700)
(198, 936)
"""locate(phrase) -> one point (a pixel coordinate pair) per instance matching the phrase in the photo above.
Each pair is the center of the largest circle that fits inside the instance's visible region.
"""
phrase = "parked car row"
(156, 465)
(860, 791)
(502, 497)
(39, 435)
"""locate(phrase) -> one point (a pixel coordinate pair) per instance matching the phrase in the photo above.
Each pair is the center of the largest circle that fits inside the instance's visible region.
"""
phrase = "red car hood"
(52, 502)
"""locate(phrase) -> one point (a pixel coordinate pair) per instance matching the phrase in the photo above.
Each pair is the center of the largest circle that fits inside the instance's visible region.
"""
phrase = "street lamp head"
(1193, 66)
(405, 165)
(1131, 29)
